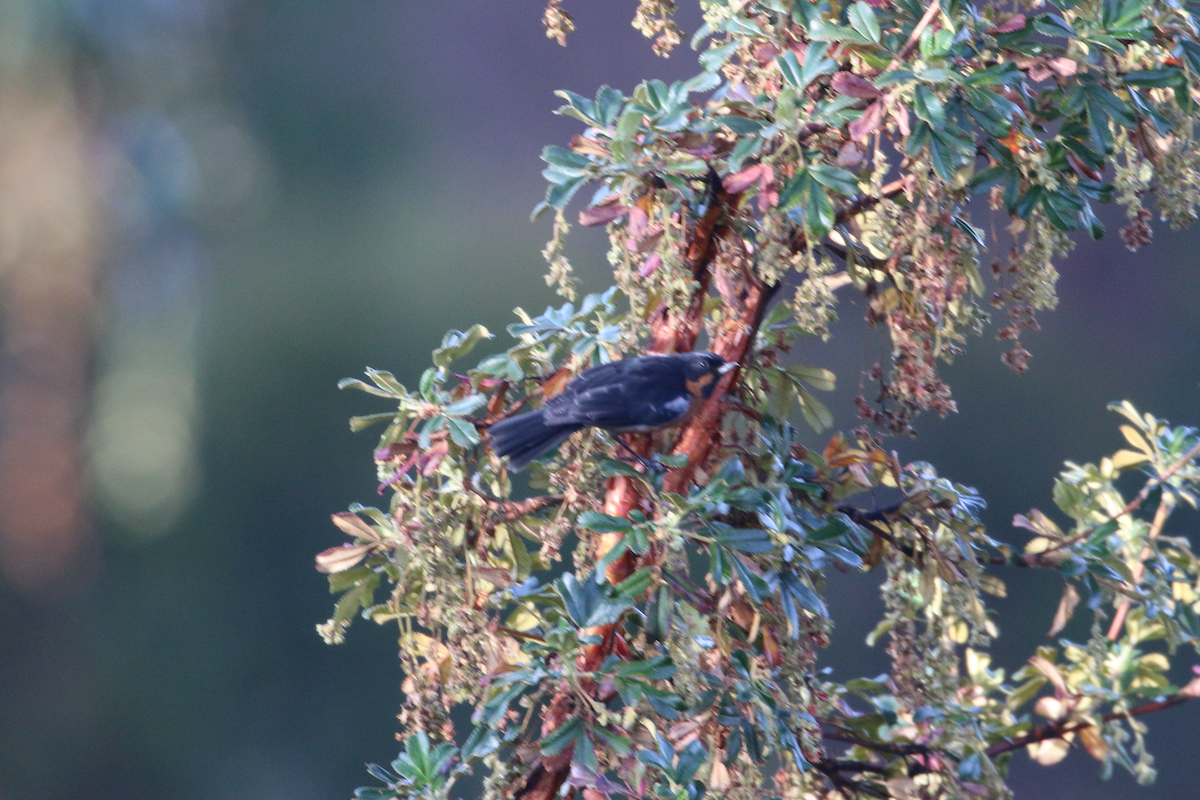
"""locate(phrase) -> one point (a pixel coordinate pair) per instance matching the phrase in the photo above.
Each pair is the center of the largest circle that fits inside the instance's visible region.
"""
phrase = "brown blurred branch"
(1057, 730)
(515, 509)
(748, 297)
(1133, 504)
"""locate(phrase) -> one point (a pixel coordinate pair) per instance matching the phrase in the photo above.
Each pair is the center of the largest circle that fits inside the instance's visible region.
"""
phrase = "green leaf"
(1028, 202)
(714, 58)
(467, 405)
(675, 461)
(1191, 55)
(970, 768)
(839, 180)
(997, 74)
(360, 423)
(360, 595)
(928, 106)
(747, 540)
(1062, 209)
(1053, 26)
(629, 124)
(604, 523)
(494, 710)
(585, 753)
(740, 124)
(1091, 221)
(562, 736)
(818, 378)
(822, 31)
(815, 63)
(1164, 77)
(636, 584)
(790, 584)
(658, 668)
(463, 433)
(816, 414)
(568, 161)
(862, 18)
(789, 68)
(578, 107)
(756, 587)
(805, 192)
(457, 344)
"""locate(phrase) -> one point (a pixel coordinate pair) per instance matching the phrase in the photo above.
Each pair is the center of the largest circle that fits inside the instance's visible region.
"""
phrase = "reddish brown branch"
(1057, 730)
(515, 509)
(1133, 504)
(699, 437)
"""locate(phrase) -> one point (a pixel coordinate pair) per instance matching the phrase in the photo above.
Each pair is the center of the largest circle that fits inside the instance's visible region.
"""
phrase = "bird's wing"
(631, 394)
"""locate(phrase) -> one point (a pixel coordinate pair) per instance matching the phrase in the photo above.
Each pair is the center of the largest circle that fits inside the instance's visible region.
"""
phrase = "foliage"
(674, 652)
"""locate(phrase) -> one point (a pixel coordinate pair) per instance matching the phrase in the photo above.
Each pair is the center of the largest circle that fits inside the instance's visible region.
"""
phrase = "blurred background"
(212, 210)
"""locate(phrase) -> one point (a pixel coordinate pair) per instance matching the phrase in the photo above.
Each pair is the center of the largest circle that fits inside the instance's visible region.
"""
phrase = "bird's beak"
(728, 366)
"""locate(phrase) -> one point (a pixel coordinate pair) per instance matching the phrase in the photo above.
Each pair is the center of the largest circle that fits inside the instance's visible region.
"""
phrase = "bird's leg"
(649, 465)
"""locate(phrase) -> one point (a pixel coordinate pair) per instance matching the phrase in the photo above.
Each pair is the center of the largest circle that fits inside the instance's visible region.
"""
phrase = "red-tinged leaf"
(768, 195)
(1039, 523)
(741, 181)
(496, 576)
(772, 652)
(432, 458)
(638, 222)
(765, 53)
(849, 155)
(601, 215)
(653, 262)
(1081, 168)
(1065, 67)
(862, 128)
(1094, 743)
(394, 451)
(342, 558)
(589, 147)
(900, 114)
(1051, 672)
(852, 85)
(352, 525)
(1051, 751)
(1013, 23)
(1038, 72)
(1066, 608)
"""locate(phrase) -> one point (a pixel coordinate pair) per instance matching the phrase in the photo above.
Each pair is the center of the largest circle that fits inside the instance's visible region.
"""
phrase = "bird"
(634, 395)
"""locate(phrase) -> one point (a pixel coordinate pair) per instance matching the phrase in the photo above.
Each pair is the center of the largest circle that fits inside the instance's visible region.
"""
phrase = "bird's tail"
(527, 436)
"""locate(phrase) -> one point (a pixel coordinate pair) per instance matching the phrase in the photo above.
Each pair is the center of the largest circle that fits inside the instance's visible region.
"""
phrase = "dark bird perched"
(634, 395)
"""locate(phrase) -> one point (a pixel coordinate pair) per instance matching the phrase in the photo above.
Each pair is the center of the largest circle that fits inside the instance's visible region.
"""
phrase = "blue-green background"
(403, 141)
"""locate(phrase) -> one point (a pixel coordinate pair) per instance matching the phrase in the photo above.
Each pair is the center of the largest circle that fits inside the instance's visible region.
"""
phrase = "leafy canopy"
(828, 147)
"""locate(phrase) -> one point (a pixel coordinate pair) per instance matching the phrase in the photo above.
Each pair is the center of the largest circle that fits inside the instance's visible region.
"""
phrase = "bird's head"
(702, 370)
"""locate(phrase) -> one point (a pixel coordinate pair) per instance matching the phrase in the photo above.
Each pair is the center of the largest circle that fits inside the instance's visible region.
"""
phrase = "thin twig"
(1057, 730)
(1133, 504)
(1165, 506)
(892, 748)
(515, 509)
(915, 36)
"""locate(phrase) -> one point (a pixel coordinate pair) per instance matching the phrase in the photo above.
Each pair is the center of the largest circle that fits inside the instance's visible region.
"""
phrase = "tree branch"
(1057, 730)
(915, 36)
(891, 748)
(1133, 504)
(515, 509)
